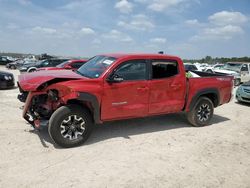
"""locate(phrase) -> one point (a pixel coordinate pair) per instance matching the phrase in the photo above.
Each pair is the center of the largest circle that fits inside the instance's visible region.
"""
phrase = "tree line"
(211, 60)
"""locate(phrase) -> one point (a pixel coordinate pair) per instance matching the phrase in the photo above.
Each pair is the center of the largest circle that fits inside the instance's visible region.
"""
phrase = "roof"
(139, 55)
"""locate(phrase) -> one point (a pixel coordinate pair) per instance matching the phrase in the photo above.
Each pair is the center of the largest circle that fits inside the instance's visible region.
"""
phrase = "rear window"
(164, 69)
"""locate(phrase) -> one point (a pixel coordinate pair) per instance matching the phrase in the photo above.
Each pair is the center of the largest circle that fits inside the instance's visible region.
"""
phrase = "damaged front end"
(39, 106)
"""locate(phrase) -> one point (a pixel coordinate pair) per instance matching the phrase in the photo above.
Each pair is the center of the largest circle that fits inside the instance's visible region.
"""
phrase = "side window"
(133, 70)
(56, 62)
(164, 69)
(244, 67)
(76, 65)
(45, 64)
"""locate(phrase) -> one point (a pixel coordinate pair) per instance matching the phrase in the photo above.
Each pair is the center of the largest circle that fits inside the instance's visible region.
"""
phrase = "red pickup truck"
(118, 86)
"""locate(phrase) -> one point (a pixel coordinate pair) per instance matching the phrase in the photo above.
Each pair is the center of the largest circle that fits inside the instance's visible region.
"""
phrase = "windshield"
(232, 67)
(62, 64)
(95, 66)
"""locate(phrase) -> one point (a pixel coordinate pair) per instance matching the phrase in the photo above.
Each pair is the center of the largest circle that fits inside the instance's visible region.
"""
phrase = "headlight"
(6, 77)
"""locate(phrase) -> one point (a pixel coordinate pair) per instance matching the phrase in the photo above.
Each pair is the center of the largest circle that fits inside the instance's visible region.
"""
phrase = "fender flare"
(199, 93)
(83, 96)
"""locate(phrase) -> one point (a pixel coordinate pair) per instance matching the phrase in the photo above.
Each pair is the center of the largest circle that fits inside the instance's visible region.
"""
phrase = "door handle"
(143, 88)
(175, 86)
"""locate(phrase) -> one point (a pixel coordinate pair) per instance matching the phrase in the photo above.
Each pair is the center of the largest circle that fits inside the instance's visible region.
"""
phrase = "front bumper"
(7, 84)
(242, 96)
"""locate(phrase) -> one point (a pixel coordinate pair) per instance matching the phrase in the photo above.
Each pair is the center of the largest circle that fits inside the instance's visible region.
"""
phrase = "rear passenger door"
(167, 87)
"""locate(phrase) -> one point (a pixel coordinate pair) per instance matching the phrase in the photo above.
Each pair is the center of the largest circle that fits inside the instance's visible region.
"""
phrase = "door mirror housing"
(115, 78)
(68, 67)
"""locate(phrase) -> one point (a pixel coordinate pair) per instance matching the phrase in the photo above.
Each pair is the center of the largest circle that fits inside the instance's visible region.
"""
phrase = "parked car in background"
(5, 60)
(191, 67)
(243, 92)
(15, 64)
(40, 64)
(240, 70)
(72, 64)
(6, 80)
(115, 87)
(211, 69)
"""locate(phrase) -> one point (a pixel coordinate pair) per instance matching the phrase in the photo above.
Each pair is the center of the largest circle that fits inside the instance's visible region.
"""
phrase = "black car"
(4, 60)
(15, 64)
(31, 67)
(6, 80)
(190, 67)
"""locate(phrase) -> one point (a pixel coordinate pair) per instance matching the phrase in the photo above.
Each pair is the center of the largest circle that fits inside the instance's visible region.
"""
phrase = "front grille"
(246, 99)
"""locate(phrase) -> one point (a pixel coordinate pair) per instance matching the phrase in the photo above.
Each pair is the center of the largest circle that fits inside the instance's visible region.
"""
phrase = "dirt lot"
(161, 151)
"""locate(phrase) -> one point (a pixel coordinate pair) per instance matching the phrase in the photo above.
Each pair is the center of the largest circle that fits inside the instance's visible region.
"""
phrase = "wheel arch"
(90, 102)
(211, 93)
(31, 68)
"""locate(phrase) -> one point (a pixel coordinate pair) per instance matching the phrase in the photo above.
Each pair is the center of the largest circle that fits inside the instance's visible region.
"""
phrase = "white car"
(211, 69)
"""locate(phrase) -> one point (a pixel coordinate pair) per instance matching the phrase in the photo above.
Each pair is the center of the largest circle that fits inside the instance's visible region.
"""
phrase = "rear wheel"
(201, 113)
(70, 126)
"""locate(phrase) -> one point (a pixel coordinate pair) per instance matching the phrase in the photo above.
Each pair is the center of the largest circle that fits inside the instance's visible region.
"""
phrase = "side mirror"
(115, 79)
(68, 67)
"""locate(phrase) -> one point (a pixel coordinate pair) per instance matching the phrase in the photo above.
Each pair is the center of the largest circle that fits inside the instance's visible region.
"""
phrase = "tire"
(32, 70)
(66, 128)
(209, 71)
(12, 67)
(202, 112)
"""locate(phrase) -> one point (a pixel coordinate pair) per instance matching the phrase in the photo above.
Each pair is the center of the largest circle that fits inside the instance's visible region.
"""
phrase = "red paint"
(128, 99)
(68, 65)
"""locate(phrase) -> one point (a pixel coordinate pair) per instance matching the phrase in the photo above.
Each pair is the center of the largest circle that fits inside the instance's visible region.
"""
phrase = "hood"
(49, 68)
(5, 73)
(225, 71)
(246, 83)
(31, 81)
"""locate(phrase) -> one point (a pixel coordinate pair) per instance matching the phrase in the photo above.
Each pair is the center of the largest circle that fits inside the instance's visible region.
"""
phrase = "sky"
(186, 28)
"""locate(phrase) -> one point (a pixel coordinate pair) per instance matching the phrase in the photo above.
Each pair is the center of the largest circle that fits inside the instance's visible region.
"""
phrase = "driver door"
(128, 98)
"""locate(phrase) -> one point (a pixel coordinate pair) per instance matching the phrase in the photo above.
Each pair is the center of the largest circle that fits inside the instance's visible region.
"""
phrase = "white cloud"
(96, 41)
(117, 36)
(87, 31)
(25, 2)
(216, 33)
(161, 5)
(158, 40)
(225, 18)
(44, 30)
(138, 22)
(192, 22)
(12, 26)
(124, 6)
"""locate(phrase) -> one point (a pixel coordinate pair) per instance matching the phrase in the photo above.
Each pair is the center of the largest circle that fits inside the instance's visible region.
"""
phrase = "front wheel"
(70, 126)
(201, 113)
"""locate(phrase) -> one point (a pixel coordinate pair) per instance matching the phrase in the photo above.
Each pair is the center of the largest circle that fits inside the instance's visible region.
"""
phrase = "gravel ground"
(163, 151)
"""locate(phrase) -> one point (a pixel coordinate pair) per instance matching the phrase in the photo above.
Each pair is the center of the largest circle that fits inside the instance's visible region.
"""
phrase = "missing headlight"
(53, 95)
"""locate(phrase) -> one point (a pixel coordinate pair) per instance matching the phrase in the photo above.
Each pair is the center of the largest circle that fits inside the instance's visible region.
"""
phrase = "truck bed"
(217, 83)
